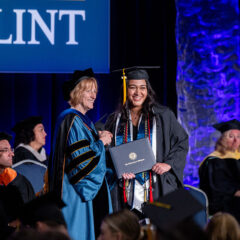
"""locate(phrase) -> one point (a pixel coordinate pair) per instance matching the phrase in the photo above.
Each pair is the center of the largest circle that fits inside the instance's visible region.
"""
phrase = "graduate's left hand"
(161, 168)
(128, 176)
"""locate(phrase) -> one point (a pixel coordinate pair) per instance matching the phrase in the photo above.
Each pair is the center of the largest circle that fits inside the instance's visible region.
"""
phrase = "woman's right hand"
(128, 176)
(105, 137)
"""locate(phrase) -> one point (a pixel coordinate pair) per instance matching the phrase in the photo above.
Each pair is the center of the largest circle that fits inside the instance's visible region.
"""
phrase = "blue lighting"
(208, 73)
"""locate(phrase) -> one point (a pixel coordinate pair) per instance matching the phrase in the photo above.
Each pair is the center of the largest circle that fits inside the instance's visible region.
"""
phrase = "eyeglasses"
(8, 150)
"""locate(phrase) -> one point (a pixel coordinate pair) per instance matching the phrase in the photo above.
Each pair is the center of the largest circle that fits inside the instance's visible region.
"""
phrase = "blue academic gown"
(80, 156)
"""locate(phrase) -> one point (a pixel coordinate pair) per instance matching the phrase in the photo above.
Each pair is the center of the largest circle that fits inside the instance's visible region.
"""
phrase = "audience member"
(122, 225)
(15, 189)
(30, 234)
(220, 171)
(223, 226)
(44, 214)
(173, 215)
(30, 157)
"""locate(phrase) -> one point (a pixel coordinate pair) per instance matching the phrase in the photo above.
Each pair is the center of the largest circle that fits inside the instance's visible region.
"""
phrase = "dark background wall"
(141, 33)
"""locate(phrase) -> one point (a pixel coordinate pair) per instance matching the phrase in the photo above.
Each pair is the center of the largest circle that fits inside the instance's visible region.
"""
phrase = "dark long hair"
(24, 130)
(24, 136)
(148, 104)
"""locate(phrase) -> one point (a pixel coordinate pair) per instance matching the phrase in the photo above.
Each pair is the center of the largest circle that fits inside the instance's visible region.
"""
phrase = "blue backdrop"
(208, 73)
(54, 36)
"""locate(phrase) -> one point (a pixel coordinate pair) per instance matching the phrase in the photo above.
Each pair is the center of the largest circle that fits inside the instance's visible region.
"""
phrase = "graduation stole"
(126, 135)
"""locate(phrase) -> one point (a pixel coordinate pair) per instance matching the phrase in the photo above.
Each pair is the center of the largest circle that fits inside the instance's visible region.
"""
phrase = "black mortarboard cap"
(27, 124)
(225, 126)
(5, 136)
(134, 73)
(172, 208)
(137, 74)
(78, 76)
(44, 208)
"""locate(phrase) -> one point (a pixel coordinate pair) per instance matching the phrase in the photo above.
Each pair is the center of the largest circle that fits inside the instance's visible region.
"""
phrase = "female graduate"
(140, 116)
(220, 171)
(77, 166)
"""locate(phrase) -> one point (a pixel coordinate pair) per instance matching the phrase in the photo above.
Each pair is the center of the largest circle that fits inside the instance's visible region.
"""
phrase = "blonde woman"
(220, 171)
(77, 165)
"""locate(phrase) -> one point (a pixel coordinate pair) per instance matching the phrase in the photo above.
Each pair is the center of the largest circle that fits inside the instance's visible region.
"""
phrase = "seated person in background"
(220, 171)
(223, 226)
(29, 140)
(8, 176)
(30, 157)
(122, 225)
(15, 189)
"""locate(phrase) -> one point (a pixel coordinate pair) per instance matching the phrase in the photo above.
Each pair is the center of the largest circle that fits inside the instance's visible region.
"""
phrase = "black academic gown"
(15, 194)
(220, 179)
(21, 154)
(12, 197)
(172, 148)
(24, 187)
(84, 201)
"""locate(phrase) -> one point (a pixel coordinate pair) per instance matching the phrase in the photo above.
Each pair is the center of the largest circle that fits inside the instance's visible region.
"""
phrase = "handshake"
(105, 137)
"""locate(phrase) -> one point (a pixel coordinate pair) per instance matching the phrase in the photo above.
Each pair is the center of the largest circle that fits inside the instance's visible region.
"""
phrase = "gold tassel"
(124, 87)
